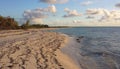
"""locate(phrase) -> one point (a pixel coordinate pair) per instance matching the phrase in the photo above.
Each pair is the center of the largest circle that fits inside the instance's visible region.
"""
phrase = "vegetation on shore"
(7, 23)
(28, 26)
(60, 27)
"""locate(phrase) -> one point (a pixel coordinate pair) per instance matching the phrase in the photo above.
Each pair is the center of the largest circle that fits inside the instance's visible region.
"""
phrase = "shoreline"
(31, 49)
(65, 58)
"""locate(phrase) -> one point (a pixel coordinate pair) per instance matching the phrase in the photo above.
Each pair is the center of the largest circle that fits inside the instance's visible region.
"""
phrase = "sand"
(33, 49)
(64, 58)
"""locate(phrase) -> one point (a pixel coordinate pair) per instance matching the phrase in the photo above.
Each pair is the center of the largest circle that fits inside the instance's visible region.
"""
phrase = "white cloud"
(90, 17)
(52, 9)
(62, 1)
(77, 21)
(36, 21)
(54, 1)
(98, 11)
(86, 3)
(118, 5)
(36, 15)
(71, 13)
(67, 10)
(104, 13)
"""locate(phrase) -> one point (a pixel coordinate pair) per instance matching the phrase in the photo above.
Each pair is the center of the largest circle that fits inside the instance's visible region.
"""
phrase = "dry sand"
(33, 49)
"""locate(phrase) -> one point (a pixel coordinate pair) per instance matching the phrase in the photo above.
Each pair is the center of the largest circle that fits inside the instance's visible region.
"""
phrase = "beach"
(49, 49)
(33, 49)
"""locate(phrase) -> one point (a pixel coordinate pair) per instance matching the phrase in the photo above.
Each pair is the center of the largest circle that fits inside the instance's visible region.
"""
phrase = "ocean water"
(99, 49)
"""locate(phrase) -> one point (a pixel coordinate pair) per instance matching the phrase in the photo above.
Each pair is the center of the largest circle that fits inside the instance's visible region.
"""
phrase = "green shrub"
(39, 26)
(8, 23)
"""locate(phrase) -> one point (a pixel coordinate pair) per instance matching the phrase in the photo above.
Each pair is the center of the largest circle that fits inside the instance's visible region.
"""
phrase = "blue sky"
(74, 16)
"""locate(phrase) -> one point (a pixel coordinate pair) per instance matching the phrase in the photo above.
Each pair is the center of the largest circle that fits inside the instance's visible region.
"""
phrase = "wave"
(93, 53)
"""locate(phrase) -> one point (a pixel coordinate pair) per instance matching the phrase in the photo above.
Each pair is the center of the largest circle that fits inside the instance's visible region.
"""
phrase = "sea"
(99, 47)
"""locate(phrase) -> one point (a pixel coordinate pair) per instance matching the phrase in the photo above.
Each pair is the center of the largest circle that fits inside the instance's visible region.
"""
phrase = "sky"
(63, 12)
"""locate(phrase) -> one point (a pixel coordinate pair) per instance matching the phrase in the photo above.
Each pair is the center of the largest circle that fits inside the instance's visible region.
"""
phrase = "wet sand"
(33, 49)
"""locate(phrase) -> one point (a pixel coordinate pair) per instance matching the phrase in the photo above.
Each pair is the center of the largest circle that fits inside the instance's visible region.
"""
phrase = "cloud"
(90, 17)
(52, 9)
(77, 21)
(54, 1)
(36, 15)
(36, 21)
(118, 5)
(114, 14)
(98, 11)
(71, 13)
(86, 3)
(67, 10)
(111, 15)
(104, 13)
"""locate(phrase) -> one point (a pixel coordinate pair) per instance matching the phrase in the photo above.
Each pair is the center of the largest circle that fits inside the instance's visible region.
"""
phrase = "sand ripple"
(32, 49)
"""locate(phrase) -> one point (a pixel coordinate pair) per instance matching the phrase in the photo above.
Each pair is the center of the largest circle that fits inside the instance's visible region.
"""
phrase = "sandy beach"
(33, 49)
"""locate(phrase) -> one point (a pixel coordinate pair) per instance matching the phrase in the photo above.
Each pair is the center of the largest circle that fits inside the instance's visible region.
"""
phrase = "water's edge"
(94, 52)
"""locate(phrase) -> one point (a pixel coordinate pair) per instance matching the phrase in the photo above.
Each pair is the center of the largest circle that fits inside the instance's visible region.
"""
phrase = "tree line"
(7, 23)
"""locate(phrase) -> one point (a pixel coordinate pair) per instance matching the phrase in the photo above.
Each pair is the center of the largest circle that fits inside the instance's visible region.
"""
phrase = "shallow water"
(99, 49)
